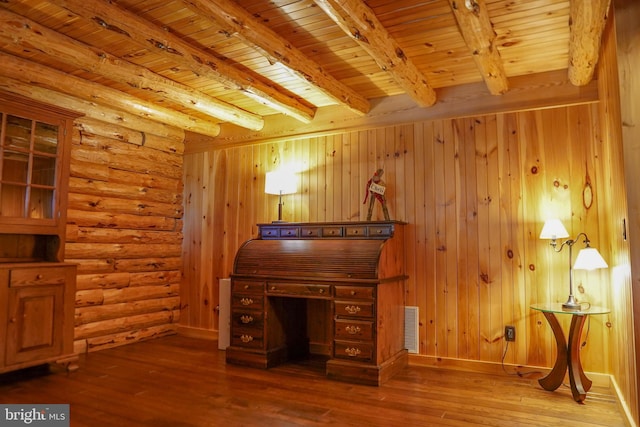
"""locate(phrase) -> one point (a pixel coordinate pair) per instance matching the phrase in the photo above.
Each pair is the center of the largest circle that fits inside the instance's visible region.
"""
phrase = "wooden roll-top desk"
(331, 291)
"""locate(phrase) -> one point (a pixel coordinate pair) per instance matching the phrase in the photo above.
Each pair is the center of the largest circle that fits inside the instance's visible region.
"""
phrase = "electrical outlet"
(510, 333)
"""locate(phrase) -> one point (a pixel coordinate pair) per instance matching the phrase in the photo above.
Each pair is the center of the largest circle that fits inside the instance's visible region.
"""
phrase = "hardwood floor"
(178, 382)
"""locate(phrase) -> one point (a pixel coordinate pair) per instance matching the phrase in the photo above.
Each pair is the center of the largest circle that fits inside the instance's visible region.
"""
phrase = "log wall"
(125, 232)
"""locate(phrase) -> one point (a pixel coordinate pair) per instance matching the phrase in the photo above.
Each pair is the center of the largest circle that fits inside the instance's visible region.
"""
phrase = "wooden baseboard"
(525, 371)
(205, 334)
(624, 407)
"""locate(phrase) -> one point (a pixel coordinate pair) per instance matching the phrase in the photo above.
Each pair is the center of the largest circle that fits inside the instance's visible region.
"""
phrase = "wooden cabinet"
(37, 289)
(38, 299)
(326, 289)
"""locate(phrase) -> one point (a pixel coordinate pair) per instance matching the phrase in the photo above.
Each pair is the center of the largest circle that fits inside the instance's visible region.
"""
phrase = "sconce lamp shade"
(589, 259)
(280, 182)
(553, 229)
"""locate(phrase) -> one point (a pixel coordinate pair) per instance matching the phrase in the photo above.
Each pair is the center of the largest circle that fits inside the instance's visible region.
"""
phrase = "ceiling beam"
(237, 22)
(108, 16)
(586, 21)
(16, 30)
(360, 23)
(34, 74)
(477, 31)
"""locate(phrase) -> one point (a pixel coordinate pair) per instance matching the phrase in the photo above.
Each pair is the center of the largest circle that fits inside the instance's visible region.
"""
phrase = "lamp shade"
(589, 259)
(553, 229)
(280, 182)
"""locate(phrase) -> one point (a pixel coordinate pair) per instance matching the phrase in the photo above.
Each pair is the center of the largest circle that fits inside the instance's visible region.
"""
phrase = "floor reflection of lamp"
(280, 182)
(588, 258)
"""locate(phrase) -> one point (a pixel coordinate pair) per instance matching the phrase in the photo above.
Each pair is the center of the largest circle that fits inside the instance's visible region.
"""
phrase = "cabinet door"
(35, 322)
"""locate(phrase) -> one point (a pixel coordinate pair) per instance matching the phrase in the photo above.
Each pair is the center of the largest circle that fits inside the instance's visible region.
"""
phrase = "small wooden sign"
(377, 188)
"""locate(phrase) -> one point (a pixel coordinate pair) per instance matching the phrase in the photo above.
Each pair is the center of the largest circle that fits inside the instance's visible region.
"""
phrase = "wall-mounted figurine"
(375, 189)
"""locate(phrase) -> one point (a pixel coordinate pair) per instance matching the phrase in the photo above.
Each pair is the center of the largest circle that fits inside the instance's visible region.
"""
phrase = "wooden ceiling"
(199, 63)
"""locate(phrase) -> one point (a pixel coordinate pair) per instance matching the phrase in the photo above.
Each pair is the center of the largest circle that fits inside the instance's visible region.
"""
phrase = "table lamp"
(280, 182)
(588, 258)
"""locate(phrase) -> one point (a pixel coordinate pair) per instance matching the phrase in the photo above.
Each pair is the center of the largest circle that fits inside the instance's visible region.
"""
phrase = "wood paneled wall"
(619, 89)
(475, 193)
(125, 232)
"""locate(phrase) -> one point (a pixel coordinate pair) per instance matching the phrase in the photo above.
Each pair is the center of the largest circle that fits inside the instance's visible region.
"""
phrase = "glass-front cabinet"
(29, 154)
(34, 163)
(37, 288)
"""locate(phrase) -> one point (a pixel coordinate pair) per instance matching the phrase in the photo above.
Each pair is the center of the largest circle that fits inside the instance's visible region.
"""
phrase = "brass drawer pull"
(353, 293)
(352, 351)
(246, 286)
(352, 329)
(246, 319)
(246, 338)
(274, 288)
(321, 291)
(352, 309)
(246, 301)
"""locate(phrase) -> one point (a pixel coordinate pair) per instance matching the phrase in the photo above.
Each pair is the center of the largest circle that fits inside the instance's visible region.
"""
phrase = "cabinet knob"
(39, 277)
(13, 320)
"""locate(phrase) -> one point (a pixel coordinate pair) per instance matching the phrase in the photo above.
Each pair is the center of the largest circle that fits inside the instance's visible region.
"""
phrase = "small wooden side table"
(568, 352)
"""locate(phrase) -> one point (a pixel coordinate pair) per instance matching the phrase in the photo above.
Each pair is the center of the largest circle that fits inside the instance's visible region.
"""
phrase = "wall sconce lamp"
(280, 182)
(588, 258)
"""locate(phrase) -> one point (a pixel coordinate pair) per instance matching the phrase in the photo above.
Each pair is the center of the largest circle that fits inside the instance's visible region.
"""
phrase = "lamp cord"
(516, 373)
(522, 374)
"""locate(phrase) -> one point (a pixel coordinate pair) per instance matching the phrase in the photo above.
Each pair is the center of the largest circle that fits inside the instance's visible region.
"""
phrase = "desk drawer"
(363, 309)
(252, 302)
(307, 290)
(359, 292)
(247, 338)
(310, 231)
(37, 276)
(356, 231)
(354, 351)
(354, 330)
(246, 286)
(269, 232)
(381, 231)
(332, 232)
(247, 319)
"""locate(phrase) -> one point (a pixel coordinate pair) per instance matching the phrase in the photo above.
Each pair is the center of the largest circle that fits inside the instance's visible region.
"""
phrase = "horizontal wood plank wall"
(475, 193)
(125, 233)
